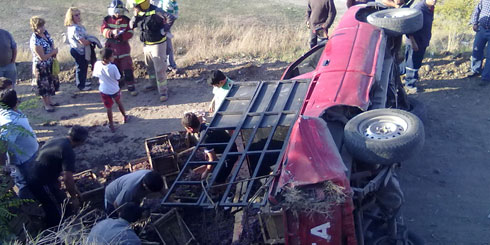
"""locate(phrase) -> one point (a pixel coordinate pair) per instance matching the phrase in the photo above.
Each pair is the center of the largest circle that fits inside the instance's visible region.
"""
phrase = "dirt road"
(446, 185)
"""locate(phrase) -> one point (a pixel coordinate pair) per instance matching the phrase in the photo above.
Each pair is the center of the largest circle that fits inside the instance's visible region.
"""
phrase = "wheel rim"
(396, 14)
(383, 127)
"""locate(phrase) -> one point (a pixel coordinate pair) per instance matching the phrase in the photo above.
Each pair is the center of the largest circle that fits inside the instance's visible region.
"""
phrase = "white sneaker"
(85, 89)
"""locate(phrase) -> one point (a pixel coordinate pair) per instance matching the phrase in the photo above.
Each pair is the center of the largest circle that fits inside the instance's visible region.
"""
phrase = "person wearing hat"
(221, 85)
(115, 28)
(154, 24)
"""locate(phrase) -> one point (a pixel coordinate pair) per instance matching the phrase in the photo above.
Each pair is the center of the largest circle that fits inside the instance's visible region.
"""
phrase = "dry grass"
(314, 203)
(205, 30)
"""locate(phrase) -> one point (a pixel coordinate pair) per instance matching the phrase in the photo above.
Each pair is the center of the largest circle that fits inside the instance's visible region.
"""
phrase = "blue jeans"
(482, 37)
(81, 66)
(413, 62)
(9, 71)
(170, 54)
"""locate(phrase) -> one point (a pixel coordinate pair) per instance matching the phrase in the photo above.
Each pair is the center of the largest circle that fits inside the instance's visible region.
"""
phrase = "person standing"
(18, 142)
(319, 17)
(55, 157)
(480, 19)
(108, 75)
(43, 54)
(77, 37)
(115, 28)
(8, 56)
(154, 24)
(171, 7)
(419, 41)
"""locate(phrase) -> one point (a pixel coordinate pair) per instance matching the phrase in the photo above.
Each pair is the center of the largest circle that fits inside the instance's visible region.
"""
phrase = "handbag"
(56, 67)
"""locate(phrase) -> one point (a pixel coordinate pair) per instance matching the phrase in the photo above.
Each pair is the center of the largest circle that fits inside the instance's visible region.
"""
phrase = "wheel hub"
(383, 127)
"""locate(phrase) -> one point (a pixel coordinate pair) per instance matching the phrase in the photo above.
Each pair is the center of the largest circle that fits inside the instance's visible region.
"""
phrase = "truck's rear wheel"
(397, 22)
(412, 239)
(384, 136)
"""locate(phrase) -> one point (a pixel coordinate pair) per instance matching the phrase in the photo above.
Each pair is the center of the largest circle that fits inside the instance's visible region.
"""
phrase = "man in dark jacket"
(319, 17)
(154, 24)
(419, 41)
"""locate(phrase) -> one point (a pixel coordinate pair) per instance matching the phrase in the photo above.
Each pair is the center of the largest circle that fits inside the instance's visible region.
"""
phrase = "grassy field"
(205, 30)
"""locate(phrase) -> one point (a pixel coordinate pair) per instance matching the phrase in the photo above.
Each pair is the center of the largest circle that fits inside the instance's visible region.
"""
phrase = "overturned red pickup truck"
(318, 150)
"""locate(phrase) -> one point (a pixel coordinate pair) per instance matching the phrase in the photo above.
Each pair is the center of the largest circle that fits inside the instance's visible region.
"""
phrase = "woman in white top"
(110, 92)
(76, 34)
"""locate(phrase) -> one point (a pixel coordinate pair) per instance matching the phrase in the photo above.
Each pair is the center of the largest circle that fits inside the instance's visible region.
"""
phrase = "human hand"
(205, 174)
(475, 27)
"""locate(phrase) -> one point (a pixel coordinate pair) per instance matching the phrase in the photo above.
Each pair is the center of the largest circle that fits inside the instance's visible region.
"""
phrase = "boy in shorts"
(110, 92)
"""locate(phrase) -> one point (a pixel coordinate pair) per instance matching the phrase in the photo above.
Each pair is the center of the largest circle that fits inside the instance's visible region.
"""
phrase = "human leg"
(313, 39)
(170, 54)
(485, 75)
(478, 49)
(126, 65)
(9, 71)
(413, 64)
(81, 65)
(49, 204)
(117, 99)
(151, 83)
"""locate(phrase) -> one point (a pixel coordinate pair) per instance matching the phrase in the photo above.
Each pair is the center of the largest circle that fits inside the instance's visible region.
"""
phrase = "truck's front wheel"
(384, 136)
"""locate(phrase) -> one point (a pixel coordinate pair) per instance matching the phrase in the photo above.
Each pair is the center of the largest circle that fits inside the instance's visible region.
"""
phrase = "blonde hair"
(69, 16)
(36, 22)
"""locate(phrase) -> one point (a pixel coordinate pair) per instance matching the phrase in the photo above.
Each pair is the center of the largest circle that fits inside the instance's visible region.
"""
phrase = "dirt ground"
(446, 185)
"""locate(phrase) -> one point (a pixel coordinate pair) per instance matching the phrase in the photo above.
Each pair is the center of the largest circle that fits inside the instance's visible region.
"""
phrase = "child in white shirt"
(110, 92)
(221, 85)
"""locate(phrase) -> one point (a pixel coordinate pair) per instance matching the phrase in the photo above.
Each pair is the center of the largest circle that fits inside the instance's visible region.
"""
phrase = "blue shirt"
(126, 188)
(21, 140)
(113, 231)
(481, 14)
(423, 36)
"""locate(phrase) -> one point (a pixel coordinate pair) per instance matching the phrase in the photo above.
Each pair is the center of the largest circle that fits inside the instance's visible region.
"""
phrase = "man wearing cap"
(154, 24)
(319, 17)
(8, 56)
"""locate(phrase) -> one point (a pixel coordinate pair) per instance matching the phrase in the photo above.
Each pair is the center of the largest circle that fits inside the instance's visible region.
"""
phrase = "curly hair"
(36, 22)
(69, 16)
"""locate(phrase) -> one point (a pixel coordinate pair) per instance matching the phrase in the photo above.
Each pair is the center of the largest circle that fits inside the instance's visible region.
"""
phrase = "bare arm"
(40, 53)
(415, 46)
(84, 41)
(211, 157)
(71, 187)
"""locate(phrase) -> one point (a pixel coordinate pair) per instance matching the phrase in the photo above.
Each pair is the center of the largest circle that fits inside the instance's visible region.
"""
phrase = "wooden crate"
(179, 141)
(172, 229)
(136, 164)
(165, 164)
(272, 225)
(95, 195)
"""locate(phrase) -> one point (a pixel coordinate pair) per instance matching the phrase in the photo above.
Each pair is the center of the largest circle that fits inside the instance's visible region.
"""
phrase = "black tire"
(384, 136)
(397, 22)
(413, 239)
(418, 108)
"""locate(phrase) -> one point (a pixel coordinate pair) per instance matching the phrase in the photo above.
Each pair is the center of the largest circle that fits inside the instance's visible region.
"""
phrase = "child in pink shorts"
(110, 92)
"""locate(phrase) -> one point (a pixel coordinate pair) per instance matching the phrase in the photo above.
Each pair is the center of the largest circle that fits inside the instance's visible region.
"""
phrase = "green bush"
(451, 29)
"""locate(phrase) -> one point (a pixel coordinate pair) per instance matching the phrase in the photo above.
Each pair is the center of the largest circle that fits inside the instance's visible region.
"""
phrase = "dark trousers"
(51, 197)
(413, 61)
(81, 68)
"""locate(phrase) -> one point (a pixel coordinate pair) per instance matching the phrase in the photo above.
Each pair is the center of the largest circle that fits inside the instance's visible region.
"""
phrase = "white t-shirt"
(108, 77)
(220, 93)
